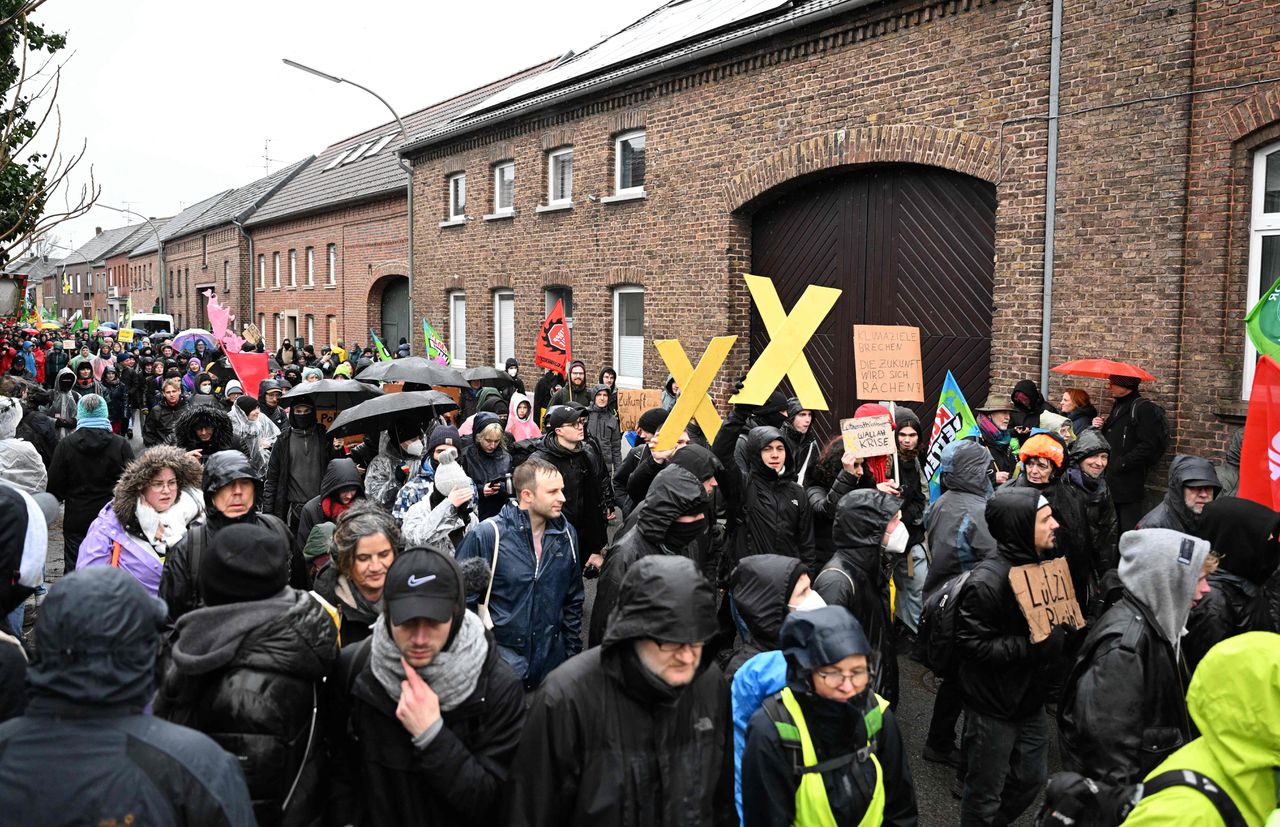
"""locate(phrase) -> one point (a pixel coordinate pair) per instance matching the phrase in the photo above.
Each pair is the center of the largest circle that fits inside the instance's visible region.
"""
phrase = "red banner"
(250, 368)
(552, 351)
(1260, 457)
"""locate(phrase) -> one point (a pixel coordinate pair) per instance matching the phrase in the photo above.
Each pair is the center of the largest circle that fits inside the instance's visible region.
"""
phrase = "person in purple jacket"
(156, 500)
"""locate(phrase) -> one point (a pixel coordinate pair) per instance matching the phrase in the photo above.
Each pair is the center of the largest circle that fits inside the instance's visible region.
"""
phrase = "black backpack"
(1070, 799)
(936, 638)
(1162, 424)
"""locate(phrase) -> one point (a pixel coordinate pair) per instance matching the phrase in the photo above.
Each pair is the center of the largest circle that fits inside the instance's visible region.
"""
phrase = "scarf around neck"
(452, 674)
(186, 509)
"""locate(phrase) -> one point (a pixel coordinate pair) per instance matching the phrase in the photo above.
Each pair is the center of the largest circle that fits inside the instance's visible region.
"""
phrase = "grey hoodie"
(1160, 567)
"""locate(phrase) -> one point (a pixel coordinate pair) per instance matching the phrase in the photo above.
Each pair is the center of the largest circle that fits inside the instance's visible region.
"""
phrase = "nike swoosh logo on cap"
(414, 582)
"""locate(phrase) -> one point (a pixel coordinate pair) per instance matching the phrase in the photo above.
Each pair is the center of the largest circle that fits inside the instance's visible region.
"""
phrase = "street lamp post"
(159, 247)
(404, 165)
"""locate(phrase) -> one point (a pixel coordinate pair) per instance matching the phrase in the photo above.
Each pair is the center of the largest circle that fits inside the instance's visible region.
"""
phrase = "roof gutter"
(745, 39)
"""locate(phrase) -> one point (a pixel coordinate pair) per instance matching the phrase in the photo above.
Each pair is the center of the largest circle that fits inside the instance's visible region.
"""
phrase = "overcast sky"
(176, 97)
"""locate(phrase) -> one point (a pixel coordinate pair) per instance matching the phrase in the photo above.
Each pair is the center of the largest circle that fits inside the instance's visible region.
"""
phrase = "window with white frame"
(226, 275)
(311, 329)
(262, 272)
(311, 267)
(331, 325)
(629, 163)
(560, 294)
(504, 188)
(262, 326)
(1264, 242)
(504, 326)
(333, 264)
(457, 196)
(458, 328)
(279, 324)
(560, 176)
(275, 267)
(293, 268)
(628, 336)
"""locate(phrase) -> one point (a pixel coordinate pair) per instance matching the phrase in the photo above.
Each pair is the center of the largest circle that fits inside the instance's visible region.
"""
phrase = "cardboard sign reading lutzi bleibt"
(1046, 596)
(868, 436)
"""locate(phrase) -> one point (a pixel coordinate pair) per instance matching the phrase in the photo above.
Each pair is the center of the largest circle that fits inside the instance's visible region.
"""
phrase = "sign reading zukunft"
(868, 436)
(887, 362)
(1046, 596)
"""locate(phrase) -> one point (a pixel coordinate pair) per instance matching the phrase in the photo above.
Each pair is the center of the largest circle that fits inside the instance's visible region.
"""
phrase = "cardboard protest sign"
(633, 402)
(125, 335)
(783, 357)
(887, 362)
(868, 436)
(251, 334)
(70, 344)
(1046, 596)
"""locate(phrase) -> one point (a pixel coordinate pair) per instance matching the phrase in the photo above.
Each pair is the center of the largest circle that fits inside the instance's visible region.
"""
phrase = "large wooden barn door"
(907, 245)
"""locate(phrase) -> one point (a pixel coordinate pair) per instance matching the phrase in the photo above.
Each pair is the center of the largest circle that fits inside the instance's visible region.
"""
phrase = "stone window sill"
(568, 205)
(624, 197)
(453, 222)
(500, 216)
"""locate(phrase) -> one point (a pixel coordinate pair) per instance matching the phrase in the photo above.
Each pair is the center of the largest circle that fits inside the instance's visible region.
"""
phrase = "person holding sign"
(1006, 734)
(1122, 711)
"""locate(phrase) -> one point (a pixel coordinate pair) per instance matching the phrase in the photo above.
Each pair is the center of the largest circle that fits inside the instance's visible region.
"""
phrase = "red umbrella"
(1102, 369)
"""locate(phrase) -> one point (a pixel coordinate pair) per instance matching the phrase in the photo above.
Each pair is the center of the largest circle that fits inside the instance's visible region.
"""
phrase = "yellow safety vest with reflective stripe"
(813, 809)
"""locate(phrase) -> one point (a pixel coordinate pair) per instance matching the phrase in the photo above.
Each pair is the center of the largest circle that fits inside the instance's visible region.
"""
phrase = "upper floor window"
(262, 272)
(457, 196)
(311, 270)
(275, 264)
(332, 252)
(293, 268)
(226, 275)
(629, 163)
(504, 188)
(1264, 241)
(560, 176)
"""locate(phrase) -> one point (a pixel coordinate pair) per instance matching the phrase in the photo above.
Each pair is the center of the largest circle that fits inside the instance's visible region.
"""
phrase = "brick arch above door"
(964, 152)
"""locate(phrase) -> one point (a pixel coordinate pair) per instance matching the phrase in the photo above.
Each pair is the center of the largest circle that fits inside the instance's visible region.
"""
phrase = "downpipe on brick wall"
(253, 286)
(1050, 191)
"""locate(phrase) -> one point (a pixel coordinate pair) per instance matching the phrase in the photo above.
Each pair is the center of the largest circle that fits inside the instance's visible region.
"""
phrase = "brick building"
(94, 275)
(330, 248)
(148, 280)
(898, 150)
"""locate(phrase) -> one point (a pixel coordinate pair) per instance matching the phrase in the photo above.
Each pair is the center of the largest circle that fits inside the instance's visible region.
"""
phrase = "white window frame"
(499, 357)
(279, 327)
(311, 329)
(457, 212)
(293, 268)
(332, 254)
(1261, 225)
(566, 198)
(275, 270)
(627, 380)
(618, 189)
(311, 270)
(458, 332)
(262, 271)
(262, 327)
(498, 208)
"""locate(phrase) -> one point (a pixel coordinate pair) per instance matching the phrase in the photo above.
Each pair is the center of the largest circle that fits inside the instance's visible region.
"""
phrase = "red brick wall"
(371, 246)
(145, 286)
(197, 262)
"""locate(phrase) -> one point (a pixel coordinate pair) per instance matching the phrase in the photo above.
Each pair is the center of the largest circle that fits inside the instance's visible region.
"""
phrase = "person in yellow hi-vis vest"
(826, 751)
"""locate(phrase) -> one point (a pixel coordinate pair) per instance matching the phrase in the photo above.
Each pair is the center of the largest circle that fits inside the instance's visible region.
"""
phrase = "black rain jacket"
(760, 588)
(1133, 429)
(587, 492)
(1172, 512)
(338, 474)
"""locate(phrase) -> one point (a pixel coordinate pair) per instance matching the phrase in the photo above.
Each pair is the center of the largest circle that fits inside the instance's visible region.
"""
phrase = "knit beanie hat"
(443, 435)
(244, 562)
(652, 420)
(449, 474)
(91, 406)
(343, 369)
(316, 372)
(246, 404)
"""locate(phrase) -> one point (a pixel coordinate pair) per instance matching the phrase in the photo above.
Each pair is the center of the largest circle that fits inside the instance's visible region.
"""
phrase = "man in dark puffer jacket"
(1193, 484)
(247, 671)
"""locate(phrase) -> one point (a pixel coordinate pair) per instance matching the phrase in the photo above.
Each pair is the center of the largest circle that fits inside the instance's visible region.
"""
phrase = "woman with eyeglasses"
(156, 500)
(826, 750)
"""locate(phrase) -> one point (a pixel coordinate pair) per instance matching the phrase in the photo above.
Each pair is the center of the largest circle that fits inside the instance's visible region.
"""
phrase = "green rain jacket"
(1240, 747)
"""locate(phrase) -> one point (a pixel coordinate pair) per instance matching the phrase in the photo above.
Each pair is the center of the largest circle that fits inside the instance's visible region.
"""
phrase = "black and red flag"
(552, 351)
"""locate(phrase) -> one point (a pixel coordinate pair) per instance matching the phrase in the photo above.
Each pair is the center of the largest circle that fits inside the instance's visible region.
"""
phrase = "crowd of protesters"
(262, 624)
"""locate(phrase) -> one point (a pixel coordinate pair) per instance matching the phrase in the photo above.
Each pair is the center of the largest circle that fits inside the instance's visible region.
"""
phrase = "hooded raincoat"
(608, 742)
(20, 463)
(521, 428)
(956, 523)
(92, 672)
(1172, 512)
(760, 588)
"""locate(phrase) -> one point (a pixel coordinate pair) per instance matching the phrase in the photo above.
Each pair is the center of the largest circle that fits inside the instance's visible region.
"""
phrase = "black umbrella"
(420, 371)
(374, 373)
(160, 335)
(336, 394)
(381, 412)
(488, 377)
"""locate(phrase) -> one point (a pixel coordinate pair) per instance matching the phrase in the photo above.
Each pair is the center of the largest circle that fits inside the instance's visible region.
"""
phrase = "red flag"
(552, 351)
(1260, 457)
(250, 368)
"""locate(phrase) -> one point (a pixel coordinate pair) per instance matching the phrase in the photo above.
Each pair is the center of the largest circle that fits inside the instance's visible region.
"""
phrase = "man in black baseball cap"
(560, 415)
(588, 494)
(428, 714)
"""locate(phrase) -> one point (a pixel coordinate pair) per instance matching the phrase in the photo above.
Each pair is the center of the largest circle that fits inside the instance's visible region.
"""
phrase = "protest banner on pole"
(1046, 596)
(887, 362)
(868, 436)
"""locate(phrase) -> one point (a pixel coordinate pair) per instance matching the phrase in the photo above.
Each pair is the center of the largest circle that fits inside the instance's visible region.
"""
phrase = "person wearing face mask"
(517, 384)
(669, 521)
(868, 525)
(1193, 484)
(827, 714)
(397, 462)
(1122, 711)
(269, 393)
(202, 393)
(767, 511)
(298, 460)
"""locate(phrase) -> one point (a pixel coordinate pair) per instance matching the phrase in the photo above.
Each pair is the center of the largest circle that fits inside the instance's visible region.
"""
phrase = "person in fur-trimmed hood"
(205, 429)
(156, 500)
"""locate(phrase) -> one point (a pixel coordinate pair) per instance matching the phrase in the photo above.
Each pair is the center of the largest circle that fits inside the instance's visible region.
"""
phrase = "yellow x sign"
(693, 402)
(788, 334)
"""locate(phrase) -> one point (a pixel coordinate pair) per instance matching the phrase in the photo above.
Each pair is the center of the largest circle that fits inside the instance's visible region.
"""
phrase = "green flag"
(1263, 322)
(382, 351)
(79, 322)
(435, 345)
